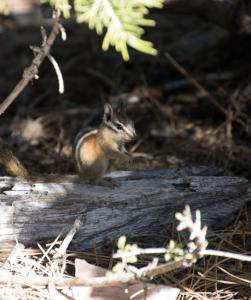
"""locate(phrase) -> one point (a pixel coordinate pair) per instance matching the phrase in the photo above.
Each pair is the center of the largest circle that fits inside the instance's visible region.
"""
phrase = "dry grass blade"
(242, 280)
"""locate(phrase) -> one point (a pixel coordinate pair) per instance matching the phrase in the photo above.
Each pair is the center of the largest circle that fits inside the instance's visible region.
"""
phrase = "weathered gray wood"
(145, 203)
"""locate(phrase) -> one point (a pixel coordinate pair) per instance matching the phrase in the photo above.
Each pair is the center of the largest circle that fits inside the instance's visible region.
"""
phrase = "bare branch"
(200, 88)
(226, 254)
(103, 281)
(140, 251)
(195, 83)
(32, 71)
(163, 268)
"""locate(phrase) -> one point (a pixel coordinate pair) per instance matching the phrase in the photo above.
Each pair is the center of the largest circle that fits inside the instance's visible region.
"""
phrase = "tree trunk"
(145, 203)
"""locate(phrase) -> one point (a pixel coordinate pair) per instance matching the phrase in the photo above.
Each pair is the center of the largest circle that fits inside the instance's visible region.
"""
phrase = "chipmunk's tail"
(12, 164)
(15, 168)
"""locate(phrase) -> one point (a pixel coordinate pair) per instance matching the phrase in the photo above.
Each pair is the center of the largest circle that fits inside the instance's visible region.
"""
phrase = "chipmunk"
(95, 149)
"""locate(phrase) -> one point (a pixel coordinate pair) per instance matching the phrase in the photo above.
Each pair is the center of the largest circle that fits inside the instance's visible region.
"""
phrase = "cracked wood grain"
(145, 203)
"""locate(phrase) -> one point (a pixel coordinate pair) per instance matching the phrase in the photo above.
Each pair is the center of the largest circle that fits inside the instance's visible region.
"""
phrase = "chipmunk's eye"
(119, 126)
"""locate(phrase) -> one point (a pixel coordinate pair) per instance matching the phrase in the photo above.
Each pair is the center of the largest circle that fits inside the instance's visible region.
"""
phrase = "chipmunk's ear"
(108, 113)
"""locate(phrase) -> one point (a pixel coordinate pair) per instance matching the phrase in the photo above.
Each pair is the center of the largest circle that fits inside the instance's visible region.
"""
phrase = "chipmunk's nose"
(131, 131)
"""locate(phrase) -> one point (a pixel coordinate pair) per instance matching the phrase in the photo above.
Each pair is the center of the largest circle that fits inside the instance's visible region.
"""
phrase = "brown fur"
(93, 152)
(92, 161)
(12, 164)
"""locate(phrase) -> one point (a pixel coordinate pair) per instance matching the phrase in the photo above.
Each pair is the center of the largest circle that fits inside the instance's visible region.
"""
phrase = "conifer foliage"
(121, 22)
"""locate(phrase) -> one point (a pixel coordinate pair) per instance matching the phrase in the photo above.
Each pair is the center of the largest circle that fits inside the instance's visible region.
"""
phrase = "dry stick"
(204, 252)
(219, 253)
(32, 71)
(195, 82)
(201, 88)
(54, 64)
(47, 251)
(61, 251)
(140, 251)
(181, 83)
(236, 277)
(163, 268)
(104, 281)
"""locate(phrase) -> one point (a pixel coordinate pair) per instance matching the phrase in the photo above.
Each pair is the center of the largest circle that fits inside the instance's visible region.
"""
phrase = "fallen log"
(144, 203)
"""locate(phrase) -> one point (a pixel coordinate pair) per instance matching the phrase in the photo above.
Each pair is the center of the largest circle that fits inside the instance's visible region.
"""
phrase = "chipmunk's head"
(118, 122)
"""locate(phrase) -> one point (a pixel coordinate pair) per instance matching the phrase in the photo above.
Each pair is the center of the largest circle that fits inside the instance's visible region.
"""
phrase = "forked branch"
(32, 71)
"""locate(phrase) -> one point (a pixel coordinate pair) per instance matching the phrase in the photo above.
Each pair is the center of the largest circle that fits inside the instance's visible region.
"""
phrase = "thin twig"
(58, 72)
(248, 282)
(103, 281)
(32, 71)
(211, 252)
(140, 251)
(63, 32)
(195, 83)
(61, 251)
(53, 62)
(45, 254)
(181, 83)
(163, 268)
(219, 253)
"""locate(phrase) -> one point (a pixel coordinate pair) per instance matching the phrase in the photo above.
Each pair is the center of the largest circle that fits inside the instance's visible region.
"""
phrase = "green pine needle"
(121, 20)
